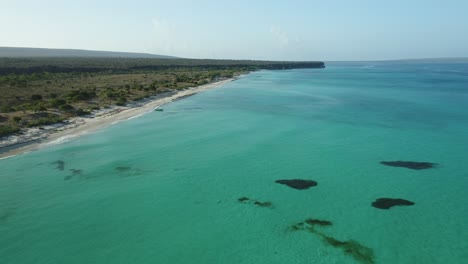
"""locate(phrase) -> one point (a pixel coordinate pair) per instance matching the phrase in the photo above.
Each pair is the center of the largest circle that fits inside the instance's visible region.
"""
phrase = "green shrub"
(122, 101)
(81, 112)
(45, 121)
(39, 107)
(110, 93)
(153, 86)
(80, 95)
(66, 107)
(6, 109)
(6, 130)
(57, 102)
(36, 97)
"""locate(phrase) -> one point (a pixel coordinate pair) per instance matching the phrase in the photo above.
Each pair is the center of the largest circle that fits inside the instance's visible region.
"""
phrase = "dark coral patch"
(60, 164)
(263, 204)
(387, 203)
(243, 199)
(122, 168)
(298, 226)
(127, 171)
(6, 214)
(247, 200)
(298, 184)
(410, 164)
(312, 222)
(309, 224)
(74, 173)
(359, 252)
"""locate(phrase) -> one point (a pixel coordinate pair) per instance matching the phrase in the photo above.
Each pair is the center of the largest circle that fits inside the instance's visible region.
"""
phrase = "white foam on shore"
(60, 140)
(13, 155)
(7, 157)
(139, 115)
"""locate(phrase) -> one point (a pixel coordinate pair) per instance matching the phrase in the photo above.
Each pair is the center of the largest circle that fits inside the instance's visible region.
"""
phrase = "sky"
(243, 29)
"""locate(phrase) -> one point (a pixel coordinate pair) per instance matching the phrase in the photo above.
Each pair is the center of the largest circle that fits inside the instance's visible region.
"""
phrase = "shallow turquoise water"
(163, 188)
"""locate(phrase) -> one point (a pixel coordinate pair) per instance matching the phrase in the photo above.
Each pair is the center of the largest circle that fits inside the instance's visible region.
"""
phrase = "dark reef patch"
(409, 164)
(298, 184)
(263, 204)
(6, 214)
(122, 168)
(359, 252)
(309, 224)
(127, 171)
(312, 222)
(60, 164)
(298, 226)
(387, 203)
(193, 108)
(243, 199)
(246, 200)
(353, 248)
(74, 172)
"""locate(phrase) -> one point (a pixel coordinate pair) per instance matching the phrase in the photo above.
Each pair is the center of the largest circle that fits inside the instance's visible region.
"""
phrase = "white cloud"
(280, 36)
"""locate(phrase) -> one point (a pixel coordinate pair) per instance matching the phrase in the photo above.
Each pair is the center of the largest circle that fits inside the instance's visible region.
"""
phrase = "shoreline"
(36, 138)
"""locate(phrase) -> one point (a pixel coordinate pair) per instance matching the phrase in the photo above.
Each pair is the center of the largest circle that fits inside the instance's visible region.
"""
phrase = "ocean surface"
(165, 187)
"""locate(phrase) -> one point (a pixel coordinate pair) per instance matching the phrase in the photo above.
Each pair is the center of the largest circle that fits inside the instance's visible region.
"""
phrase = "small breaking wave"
(60, 140)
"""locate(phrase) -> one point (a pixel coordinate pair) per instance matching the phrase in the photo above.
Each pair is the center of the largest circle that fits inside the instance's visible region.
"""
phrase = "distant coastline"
(46, 95)
(411, 61)
(24, 52)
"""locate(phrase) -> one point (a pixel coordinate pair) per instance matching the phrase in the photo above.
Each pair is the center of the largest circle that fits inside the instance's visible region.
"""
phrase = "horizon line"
(177, 57)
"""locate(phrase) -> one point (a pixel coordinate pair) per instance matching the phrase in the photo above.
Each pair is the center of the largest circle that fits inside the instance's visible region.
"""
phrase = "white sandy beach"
(36, 138)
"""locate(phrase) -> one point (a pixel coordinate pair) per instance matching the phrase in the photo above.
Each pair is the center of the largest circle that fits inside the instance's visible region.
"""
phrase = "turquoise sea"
(164, 187)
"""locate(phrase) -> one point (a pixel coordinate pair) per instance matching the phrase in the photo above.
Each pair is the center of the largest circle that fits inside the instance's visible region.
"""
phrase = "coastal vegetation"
(43, 91)
(126, 65)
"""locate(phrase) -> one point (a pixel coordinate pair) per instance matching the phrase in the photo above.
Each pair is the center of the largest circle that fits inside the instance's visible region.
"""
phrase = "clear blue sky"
(243, 29)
